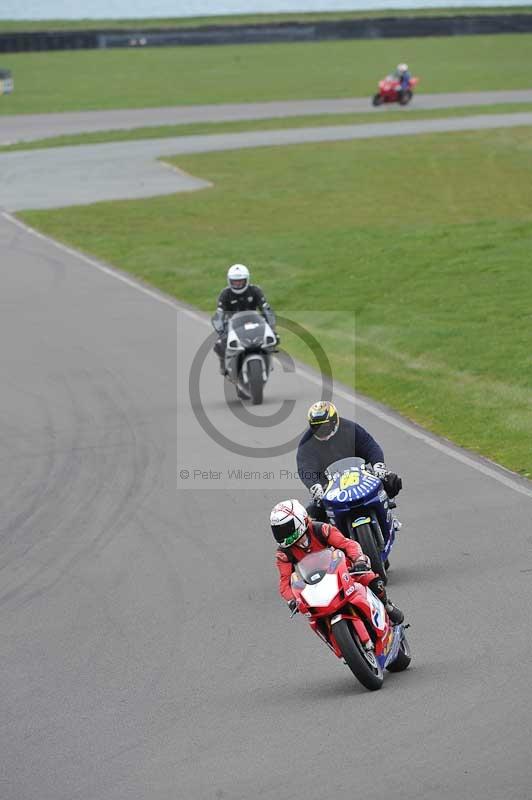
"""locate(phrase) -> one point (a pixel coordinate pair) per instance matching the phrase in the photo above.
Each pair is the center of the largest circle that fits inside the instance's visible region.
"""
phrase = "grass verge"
(107, 79)
(424, 243)
(166, 131)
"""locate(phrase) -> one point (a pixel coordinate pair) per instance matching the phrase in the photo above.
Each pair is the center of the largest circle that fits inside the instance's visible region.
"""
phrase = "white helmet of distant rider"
(402, 68)
(238, 278)
(289, 521)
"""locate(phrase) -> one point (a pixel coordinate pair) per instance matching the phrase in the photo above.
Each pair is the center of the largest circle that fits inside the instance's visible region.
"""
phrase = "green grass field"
(242, 19)
(424, 243)
(105, 79)
(165, 131)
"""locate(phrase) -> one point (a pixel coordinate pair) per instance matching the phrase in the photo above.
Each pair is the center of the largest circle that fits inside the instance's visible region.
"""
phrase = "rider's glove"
(316, 491)
(362, 564)
(292, 605)
(392, 484)
(379, 469)
(218, 322)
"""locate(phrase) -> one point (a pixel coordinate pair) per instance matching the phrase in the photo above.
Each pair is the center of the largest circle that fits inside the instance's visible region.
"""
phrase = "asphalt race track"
(82, 174)
(146, 655)
(28, 127)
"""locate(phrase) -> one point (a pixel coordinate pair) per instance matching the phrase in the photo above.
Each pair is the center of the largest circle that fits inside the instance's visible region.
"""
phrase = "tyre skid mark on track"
(122, 479)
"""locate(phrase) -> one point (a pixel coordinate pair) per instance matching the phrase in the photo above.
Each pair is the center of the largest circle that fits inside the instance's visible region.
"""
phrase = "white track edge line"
(427, 439)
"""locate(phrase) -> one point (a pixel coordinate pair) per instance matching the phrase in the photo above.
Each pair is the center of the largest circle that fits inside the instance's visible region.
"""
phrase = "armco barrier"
(370, 28)
(47, 40)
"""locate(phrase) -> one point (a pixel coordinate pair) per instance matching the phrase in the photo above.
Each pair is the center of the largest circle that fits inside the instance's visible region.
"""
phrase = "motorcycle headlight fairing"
(234, 342)
(322, 593)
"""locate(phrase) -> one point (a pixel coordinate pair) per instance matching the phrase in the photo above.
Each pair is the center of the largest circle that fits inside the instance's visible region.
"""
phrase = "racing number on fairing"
(350, 479)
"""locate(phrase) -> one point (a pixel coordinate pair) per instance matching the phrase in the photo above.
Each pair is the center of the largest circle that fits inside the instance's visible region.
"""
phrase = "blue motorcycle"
(356, 502)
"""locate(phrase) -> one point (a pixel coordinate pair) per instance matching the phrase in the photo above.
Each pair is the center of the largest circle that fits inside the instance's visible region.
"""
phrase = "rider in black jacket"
(330, 438)
(238, 295)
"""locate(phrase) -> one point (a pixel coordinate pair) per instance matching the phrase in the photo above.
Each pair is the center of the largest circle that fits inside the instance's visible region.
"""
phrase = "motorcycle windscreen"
(343, 465)
(313, 567)
(317, 570)
(249, 326)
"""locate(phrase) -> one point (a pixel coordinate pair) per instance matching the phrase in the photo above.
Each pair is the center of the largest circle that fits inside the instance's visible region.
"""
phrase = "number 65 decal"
(350, 479)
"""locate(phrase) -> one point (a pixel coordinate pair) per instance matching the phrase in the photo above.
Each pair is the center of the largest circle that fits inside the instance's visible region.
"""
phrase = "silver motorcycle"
(248, 354)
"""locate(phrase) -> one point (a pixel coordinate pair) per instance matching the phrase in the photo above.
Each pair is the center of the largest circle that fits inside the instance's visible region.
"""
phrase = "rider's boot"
(395, 614)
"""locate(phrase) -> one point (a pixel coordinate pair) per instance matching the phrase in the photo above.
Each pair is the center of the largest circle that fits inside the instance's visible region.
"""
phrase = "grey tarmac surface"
(145, 653)
(28, 127)
(84, 174)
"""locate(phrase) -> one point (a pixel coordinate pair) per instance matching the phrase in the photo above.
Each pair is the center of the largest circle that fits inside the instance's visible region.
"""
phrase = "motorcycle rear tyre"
(404, 657)
(256, 385)
(377, 100)
(369, 675)
(405, 97)
(366, 540)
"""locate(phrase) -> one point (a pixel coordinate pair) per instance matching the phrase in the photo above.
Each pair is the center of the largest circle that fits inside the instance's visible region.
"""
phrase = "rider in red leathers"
(297, 536)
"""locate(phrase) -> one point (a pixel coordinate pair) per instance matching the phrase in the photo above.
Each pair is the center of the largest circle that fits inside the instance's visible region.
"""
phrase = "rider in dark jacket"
(238, 295)
(329, 439)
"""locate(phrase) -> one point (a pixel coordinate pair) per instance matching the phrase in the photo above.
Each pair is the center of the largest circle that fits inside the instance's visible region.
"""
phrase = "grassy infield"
(424, 241)
(93, 79)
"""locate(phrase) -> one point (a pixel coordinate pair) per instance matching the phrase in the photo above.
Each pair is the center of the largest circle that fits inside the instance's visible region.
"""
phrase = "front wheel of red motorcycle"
(377, 99)
(362, 663)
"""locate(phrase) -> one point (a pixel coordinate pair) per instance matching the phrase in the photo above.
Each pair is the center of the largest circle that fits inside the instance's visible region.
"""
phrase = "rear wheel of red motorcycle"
(362, 663)
(404, 657)
(377, 100)
(405, 97)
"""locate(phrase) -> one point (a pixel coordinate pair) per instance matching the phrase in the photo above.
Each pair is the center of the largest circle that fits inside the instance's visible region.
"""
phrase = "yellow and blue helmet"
(323, 419)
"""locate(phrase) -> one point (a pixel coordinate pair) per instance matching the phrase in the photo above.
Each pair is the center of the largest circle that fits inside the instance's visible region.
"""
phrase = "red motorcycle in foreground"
(390, 91)
(349, 618)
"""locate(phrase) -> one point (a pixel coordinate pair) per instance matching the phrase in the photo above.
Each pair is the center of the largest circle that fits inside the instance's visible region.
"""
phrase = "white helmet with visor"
(289, 521)
(238, 278)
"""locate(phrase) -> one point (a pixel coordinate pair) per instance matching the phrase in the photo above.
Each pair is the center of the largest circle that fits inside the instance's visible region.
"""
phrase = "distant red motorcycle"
(348, 617)
(390, 92)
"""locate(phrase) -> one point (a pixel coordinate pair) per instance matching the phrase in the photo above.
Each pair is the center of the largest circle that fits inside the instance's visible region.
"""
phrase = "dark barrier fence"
(377, 28)
(47, 40)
